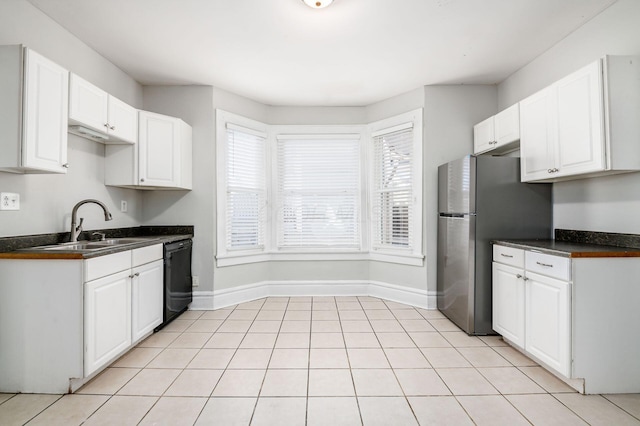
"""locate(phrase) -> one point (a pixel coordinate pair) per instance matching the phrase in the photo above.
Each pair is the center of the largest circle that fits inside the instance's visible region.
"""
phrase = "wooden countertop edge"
(31, 255)
(605, 254)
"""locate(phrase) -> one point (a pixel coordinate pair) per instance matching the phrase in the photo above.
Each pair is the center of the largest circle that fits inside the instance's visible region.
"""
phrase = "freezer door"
(456, 265)
(456, 186)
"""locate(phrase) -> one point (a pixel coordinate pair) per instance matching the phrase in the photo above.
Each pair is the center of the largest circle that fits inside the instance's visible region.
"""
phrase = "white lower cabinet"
(63, 320)
(576, 316)
(107, 319)
(146, 299)
(123, 305)
(508, 303)
(548, 321)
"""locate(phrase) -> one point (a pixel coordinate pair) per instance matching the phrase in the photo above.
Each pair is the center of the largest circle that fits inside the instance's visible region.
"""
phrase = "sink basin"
(119, 241)
(81, 246)
(71, 247)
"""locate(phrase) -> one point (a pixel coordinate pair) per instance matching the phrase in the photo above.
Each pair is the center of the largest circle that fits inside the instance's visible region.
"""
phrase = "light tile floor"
(320, 361)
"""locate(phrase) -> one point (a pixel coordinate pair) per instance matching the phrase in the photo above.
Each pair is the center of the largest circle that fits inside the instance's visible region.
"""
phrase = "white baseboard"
(205, 300)
(202, 301)
(396, 293)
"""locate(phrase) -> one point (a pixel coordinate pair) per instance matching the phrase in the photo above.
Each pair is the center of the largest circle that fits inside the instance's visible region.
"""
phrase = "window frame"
(413, 254)
(223, 119)
(355, 132)
(270, 250)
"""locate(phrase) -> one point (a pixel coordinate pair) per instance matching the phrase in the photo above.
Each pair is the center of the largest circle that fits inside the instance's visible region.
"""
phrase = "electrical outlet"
(123, 206)
(9, 201)
(195, 281)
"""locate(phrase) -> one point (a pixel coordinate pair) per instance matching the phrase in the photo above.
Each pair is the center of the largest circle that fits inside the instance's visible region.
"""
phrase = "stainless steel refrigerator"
(481, 199)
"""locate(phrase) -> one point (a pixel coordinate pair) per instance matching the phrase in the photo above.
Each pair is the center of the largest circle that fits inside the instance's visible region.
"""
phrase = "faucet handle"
(79, 227)
(101, 234)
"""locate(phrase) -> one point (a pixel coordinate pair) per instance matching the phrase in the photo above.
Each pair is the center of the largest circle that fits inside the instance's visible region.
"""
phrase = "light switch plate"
(9, 201)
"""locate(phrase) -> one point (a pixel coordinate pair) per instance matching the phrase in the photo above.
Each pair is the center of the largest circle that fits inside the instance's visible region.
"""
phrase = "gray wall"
(193, 104)
(46, 200)
(609, 204)
(449, 115)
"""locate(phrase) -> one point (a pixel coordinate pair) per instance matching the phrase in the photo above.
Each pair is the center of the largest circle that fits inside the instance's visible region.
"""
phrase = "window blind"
(392, 188)
(318, 192)
(246, 189)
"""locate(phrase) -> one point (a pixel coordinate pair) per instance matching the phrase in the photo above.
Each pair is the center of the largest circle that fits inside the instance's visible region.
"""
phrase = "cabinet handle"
(130, 276)
(112, 127)
(65, 165)
(518, 276)
(549, 171)
(106, 125)
(526, 279)
(505, 255)
(548, 265)
(137, 274)
(141, 179)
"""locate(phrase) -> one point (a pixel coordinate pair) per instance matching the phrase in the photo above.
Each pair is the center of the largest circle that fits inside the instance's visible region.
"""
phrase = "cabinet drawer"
(508, 255)
(106, 265)
(549, 265)
(146, 254)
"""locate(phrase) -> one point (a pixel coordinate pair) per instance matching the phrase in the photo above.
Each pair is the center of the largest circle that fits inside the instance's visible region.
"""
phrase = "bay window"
(319, 192)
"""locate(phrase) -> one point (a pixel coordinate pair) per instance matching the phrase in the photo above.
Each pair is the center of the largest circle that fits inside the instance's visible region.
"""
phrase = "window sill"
(232, 259)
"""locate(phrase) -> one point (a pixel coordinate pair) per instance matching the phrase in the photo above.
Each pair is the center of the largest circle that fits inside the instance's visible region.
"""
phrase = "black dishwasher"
(177, 279)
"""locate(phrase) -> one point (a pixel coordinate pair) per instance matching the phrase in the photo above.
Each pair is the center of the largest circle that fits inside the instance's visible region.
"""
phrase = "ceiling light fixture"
(317, 4)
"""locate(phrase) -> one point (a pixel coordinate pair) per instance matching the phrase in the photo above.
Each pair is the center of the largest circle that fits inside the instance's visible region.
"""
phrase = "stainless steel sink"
(82, 246)
(88, 246)
(119, 241)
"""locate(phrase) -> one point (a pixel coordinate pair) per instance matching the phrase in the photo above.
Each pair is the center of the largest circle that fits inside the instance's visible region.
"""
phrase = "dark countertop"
(571, 249)
(24, 247)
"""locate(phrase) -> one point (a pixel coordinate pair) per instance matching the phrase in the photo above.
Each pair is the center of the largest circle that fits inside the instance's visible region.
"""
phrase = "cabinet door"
(123, 120)
(147, 298)
(159, 150)
(107, 319)
(548, 321)
(508, 303)
(580, 121)
(87, 104)
(483, 136)
(537, 136)
(46, 100)
(507, 126)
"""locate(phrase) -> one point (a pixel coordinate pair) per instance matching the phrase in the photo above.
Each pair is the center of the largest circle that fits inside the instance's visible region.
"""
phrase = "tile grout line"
(110, 396)
(393, 370)
(619, 406)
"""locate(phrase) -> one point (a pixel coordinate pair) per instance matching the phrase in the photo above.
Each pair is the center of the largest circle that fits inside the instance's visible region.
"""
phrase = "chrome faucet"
(76, 230)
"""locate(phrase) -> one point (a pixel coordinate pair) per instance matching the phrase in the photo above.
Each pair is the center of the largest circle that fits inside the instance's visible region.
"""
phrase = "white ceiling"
(353, 53)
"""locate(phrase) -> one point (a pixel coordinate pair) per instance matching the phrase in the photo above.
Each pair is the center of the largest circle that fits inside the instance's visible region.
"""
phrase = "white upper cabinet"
(583, 125)
(33, 112)
(537, 147)
(483, 136)
(162, 159)
(498, 134)
(123, 120)
(111, 120)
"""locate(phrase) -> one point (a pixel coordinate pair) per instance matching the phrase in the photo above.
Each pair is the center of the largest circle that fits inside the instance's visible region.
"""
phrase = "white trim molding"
(202, 301)
(206, 300)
